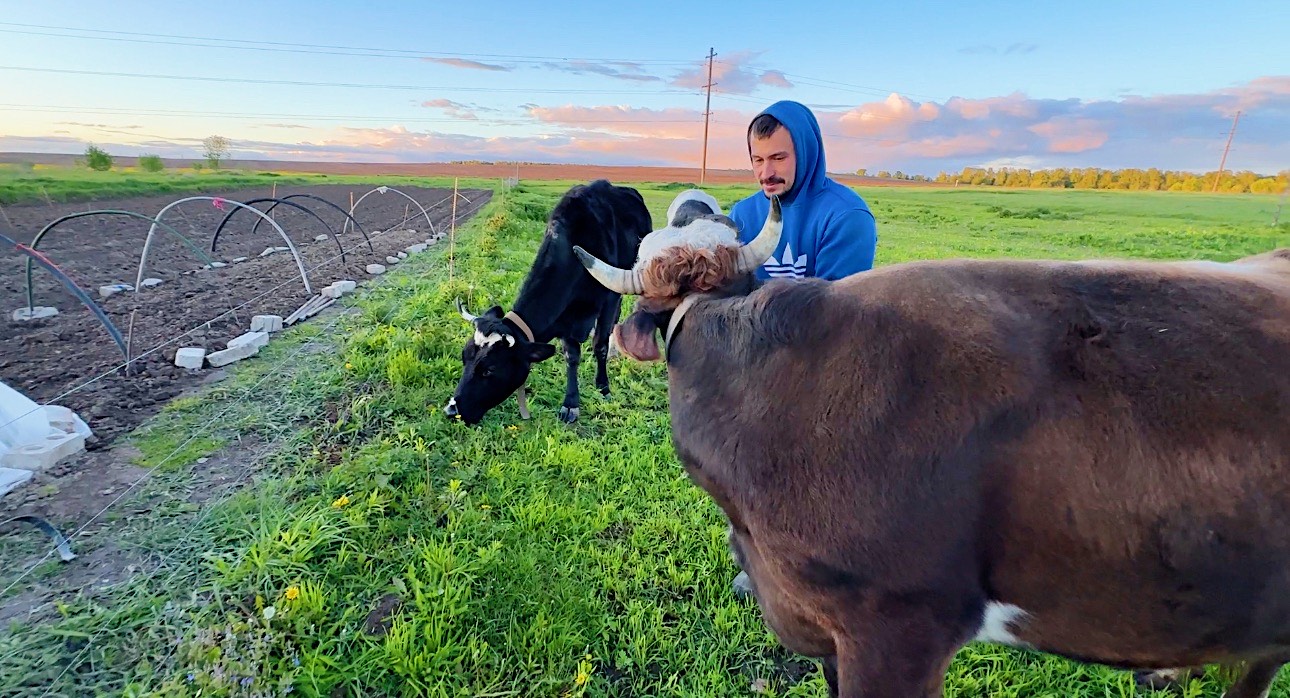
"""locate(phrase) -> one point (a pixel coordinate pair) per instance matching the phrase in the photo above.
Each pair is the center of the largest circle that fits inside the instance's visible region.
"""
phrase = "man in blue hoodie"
(829, 231)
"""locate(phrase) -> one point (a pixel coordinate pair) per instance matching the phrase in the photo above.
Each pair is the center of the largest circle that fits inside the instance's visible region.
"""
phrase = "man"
(829, 231)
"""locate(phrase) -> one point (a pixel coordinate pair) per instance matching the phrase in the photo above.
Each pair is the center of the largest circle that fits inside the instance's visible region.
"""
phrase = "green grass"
(527, 558)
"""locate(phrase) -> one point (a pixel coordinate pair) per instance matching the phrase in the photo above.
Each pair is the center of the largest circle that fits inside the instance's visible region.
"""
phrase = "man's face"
(774, 162)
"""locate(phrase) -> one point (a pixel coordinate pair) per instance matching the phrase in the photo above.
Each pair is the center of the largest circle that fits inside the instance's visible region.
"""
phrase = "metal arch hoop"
(143, 258)
(215, 237)
(319, 198)
(73, 288)
(383, 190)
(36, 240)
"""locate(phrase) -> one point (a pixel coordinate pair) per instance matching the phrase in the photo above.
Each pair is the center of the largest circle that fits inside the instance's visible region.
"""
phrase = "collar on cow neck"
(677, 314)
(519, 322)
(521, 395)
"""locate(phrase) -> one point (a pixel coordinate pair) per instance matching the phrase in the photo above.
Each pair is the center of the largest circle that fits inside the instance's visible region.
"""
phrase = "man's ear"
(540, 352)
(635, 336)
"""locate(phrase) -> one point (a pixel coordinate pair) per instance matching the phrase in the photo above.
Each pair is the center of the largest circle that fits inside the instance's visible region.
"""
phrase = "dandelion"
(582, 677)
(485, 507)
(349, 366)
(293, 593)
(341, 502)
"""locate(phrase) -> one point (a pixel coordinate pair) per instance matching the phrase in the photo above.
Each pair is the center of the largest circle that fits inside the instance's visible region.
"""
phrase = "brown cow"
(1089, 459)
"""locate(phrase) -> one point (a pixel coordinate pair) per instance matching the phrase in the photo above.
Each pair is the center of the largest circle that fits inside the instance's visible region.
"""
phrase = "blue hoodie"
(829, 231)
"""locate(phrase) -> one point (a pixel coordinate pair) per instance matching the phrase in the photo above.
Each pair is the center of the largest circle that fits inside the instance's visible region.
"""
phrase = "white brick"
(346, 286)
(254, 338)
(190, 357)
(39, 455)
(236, 353)
(34, 313)
(13, 478)
(266, 323)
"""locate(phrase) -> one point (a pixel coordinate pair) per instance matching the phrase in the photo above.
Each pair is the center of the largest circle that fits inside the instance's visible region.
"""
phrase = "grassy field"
(381, 549)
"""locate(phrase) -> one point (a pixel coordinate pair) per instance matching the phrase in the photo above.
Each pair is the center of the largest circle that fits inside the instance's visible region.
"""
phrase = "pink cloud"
(451, 108)
(465, 63)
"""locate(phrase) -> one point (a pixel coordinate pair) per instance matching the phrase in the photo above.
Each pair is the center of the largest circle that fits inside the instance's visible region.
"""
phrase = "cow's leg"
(600, 344)
(830, 666)
(572, 358)
(1256, 681)
(1172, 680)
(891, 657)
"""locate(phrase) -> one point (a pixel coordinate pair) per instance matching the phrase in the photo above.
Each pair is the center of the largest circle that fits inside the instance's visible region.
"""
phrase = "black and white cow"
(558, 300)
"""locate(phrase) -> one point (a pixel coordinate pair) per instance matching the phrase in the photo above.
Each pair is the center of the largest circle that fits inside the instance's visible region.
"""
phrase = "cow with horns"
(557, 300)
(1088, 459)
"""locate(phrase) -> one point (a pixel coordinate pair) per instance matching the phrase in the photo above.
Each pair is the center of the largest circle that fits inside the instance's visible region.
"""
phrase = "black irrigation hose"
(60, 541)
(73, 288)
(343, 212)
(111, 212)
(215, 237)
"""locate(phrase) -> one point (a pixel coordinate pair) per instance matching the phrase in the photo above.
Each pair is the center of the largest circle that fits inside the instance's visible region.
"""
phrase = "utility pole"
(707, 111)
(1222, 163)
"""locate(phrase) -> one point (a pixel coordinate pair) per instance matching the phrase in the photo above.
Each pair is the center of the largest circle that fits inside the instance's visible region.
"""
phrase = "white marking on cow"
(702, 233)
(995, 624)
(487, 341)
(452, 402)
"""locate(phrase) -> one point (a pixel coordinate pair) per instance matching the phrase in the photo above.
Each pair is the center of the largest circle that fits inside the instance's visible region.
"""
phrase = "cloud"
(731, 75)
(622, 70)
(454, 109)
(466, 63)
(1170, 131)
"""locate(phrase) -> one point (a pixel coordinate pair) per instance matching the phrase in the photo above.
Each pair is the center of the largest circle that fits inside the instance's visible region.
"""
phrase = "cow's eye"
(485, 372)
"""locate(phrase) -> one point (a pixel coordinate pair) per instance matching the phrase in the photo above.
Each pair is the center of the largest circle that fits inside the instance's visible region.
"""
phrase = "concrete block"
(13, 478)
(190, 357)
(111, 289)
(266, 323)
(376, 269)
(150, 282)
(417, 248)
(255, 338)
(234, 353)
(392, 260)
(39, 455)
(346, 286)
(34, 313)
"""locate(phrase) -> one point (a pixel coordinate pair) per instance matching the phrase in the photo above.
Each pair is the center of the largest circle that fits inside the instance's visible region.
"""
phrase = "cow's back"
(1104, 446)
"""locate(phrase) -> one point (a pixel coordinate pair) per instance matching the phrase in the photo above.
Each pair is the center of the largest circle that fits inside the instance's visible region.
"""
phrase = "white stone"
(255, 338)
(13, 478)
(34, 313)
(268, 251)
(266, 323)
(432, 241)
(215, 265)
(283, 249)
(190, 357)
(346, 286)
(239, 260)
(150, 282)
(236, 353)
(375, 269)
(392, 260)
(332, 291)
(320, 238)
(39, 455)
(417, 248)
(111, 289)
(402, 255)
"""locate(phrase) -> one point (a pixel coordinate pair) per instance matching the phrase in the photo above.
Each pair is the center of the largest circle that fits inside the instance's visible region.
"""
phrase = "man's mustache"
(772, 180)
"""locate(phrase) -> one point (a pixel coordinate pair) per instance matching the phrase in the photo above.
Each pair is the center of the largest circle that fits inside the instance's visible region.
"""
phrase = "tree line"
(1131, 179)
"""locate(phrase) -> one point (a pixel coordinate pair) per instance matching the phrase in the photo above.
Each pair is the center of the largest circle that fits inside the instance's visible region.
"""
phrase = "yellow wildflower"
(341, 502)
(581, 678)
(293, 593)
(485, 507)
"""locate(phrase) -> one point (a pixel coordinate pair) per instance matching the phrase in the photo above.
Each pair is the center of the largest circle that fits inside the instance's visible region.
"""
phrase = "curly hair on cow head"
(684, 269)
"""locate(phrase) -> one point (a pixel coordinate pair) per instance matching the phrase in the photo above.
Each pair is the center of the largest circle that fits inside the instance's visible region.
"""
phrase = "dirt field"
(46, 358)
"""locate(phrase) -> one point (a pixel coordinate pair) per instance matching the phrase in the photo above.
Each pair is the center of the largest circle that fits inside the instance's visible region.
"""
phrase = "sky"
(917, 87)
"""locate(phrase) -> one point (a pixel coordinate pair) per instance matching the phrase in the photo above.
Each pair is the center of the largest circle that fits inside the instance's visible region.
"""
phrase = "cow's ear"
(494, 312)
(635, 336)
(540, 352)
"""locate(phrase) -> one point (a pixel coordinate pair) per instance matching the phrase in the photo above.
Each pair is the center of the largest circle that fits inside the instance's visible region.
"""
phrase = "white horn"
(763, 246)
(627, 283)
(465, 313)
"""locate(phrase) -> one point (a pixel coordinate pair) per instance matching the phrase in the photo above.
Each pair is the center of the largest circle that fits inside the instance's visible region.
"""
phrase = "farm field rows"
(405, 554)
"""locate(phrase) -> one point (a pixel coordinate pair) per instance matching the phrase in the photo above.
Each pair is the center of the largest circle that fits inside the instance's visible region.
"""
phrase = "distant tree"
(863, 171)
(216, 150)
(97, 159)
(151, 163)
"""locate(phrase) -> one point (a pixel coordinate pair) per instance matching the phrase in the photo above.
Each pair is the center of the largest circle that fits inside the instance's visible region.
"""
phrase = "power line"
(1223, 163)
(302, 83)
(707, 112)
